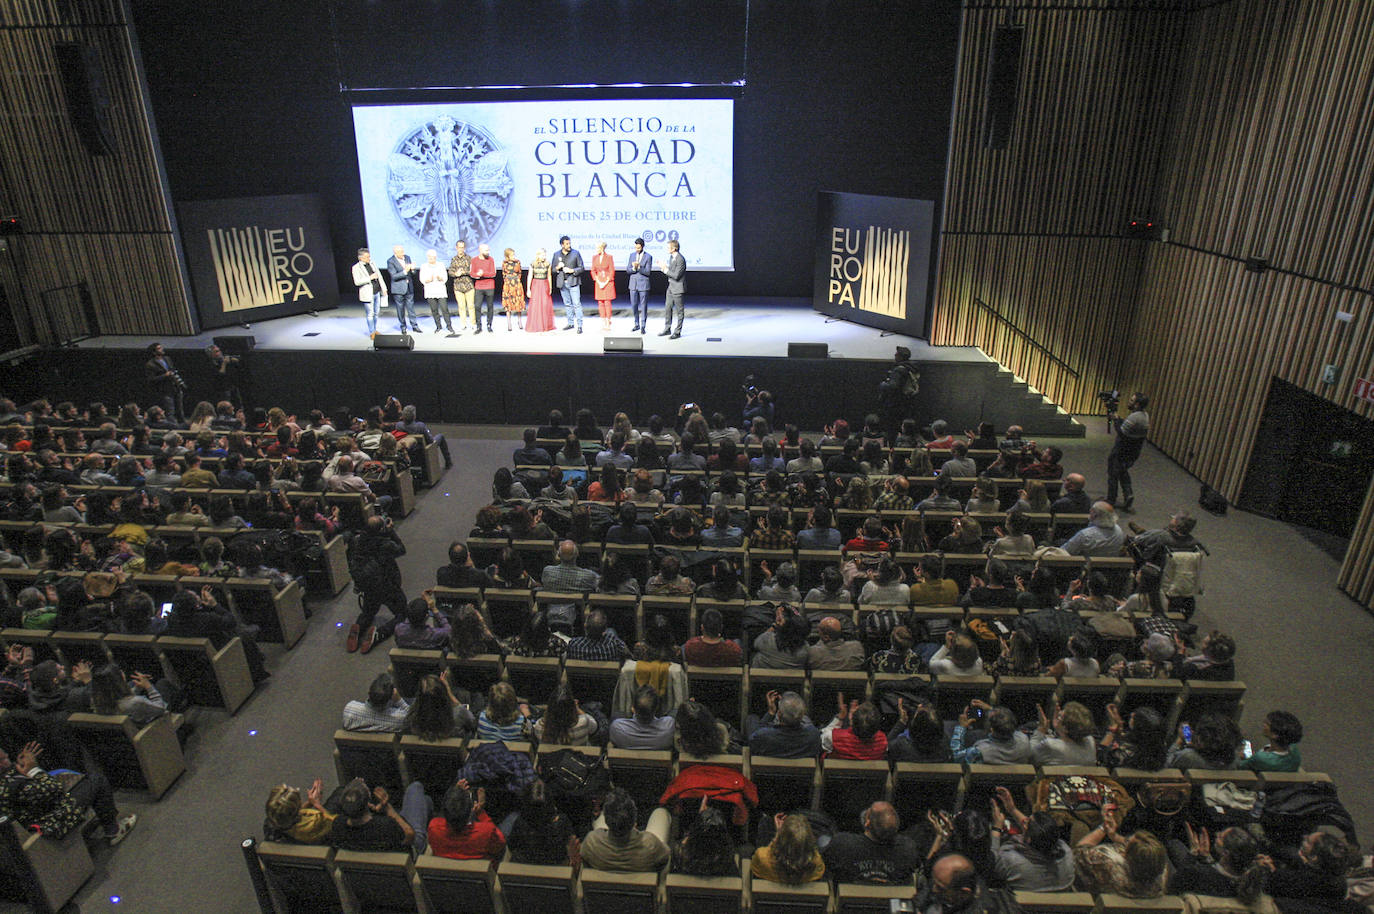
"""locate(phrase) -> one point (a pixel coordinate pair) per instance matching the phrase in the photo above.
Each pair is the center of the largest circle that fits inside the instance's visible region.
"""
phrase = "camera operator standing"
(1130, 439)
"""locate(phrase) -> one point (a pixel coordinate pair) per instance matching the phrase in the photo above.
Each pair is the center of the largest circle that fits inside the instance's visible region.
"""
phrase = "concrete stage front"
(514, 377)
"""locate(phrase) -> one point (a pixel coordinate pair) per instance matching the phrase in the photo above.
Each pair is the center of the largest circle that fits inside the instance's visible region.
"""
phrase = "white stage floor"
(761, 327)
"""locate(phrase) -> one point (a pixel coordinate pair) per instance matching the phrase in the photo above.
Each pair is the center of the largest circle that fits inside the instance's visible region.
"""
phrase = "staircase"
(1009, 400)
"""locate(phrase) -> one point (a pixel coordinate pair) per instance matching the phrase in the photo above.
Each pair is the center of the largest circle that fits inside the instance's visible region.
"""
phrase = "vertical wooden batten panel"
(104, 221)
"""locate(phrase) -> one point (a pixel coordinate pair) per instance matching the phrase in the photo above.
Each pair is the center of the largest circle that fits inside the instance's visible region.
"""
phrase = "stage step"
(1008, 399)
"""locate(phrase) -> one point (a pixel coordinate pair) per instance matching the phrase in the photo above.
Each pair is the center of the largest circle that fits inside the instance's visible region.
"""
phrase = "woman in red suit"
(541, 305)
(603, 283)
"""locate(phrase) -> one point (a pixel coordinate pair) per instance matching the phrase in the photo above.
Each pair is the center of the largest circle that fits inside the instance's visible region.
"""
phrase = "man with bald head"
(833, 652)
(567, 577)
(1102, 536)
(880, 855)
(1073, 499)
(955, 887)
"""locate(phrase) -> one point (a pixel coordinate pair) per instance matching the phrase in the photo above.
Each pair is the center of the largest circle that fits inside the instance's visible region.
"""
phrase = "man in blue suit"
(399, 267)
(640, 265)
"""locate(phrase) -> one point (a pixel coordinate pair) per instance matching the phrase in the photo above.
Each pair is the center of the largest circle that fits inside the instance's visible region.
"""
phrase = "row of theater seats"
(292, 878)
(642, 560)
(326, 571)
(354, 508)
(733, 693)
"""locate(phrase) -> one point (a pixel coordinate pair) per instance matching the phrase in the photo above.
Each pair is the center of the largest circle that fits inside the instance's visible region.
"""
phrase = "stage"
(515, 378)
(716, 327)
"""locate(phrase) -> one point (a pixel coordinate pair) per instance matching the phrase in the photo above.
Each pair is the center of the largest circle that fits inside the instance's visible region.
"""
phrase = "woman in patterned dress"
(512, 292)
(541, 305)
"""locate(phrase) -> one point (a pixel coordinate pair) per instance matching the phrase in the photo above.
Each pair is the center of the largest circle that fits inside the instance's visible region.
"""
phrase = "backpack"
(571, 773)
(1182, 574)
(911, 385)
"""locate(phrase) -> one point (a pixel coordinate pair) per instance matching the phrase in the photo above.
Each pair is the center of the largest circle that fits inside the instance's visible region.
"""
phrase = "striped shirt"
(360, 716)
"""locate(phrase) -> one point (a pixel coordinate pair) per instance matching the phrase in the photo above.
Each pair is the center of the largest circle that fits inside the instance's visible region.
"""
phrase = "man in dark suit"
(399, 268)
(640, 264)
(675, 269)
(567, 278)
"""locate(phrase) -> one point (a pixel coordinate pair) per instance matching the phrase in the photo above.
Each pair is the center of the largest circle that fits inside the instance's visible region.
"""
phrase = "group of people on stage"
(530, 301)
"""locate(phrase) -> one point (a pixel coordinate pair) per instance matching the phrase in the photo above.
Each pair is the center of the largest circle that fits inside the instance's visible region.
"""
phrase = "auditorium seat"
(1226, 698)
(475, 674)
(776, 898)
(147, 758)
(862, 898)
(919, 786)
(953, 693)
(644, 773)
(785, 784)
(701, 895)
(408, 665)
(38, 639)
(533, 678)
(279, 613)
(982, 780)
(50, 870)
(527, 888)
(622, 614)
(824, 686)
(456, 886)
(1163, 695)
(1023, 694)
(759, 682)
(378, 882)
(592, 680)
(299, 878)
(210, 678)
(75, 647)
(1120, 904)
(138, 653)
(848, 787)
(720, 688)
(370, 756)
(1057, 902)
(507, 610)
(434, 763)
(618, 893)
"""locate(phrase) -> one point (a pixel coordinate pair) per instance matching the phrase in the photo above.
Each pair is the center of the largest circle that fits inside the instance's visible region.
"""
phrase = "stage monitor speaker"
(236, 345)
(88, 100)
(808, 350)
(393, 341)
(999, 98)
(623, 344)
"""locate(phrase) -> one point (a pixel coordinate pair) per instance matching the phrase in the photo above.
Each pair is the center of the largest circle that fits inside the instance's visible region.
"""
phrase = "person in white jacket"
(434, 277)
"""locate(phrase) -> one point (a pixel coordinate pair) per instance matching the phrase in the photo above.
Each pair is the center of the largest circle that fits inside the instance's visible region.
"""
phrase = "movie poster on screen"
(521, 174)
(256, 258)
(873, 260)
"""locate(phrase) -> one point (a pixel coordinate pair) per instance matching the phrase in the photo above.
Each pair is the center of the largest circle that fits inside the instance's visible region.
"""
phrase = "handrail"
(1028, 338)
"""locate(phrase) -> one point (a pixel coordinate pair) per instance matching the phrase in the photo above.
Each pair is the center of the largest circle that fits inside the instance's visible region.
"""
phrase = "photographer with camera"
(1130, 440)
(756, 402)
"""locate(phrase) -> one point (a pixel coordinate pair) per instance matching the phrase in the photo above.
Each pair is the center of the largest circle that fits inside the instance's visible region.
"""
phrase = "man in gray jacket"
(675, 268)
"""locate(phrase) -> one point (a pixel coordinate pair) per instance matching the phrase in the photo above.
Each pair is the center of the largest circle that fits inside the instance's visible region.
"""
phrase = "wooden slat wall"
(1244, 126)
(1030, 228)
(1268, 156)
(102, 220)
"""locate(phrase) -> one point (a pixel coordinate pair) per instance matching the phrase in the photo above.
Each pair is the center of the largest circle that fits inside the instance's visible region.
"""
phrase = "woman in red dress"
(541, 305)
(603, 283)
(512, 292)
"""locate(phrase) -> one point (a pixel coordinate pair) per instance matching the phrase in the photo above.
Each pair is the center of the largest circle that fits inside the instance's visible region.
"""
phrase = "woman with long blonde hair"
(792, 857)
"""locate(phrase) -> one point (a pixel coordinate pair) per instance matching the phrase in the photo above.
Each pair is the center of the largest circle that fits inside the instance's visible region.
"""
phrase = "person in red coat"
(483, 273)
(717, 783)
(603, 283)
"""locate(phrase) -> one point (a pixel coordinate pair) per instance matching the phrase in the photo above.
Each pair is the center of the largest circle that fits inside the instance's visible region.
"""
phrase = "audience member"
(880, 854)
(710, 648)
(785, 731)
(616, 845)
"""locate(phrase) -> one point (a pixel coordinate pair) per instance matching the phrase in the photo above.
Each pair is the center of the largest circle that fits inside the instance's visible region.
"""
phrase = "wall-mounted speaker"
(88, 100)
(393, 341)
(999, 94)
(236, 345)
(808, 350)
(622, 344)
